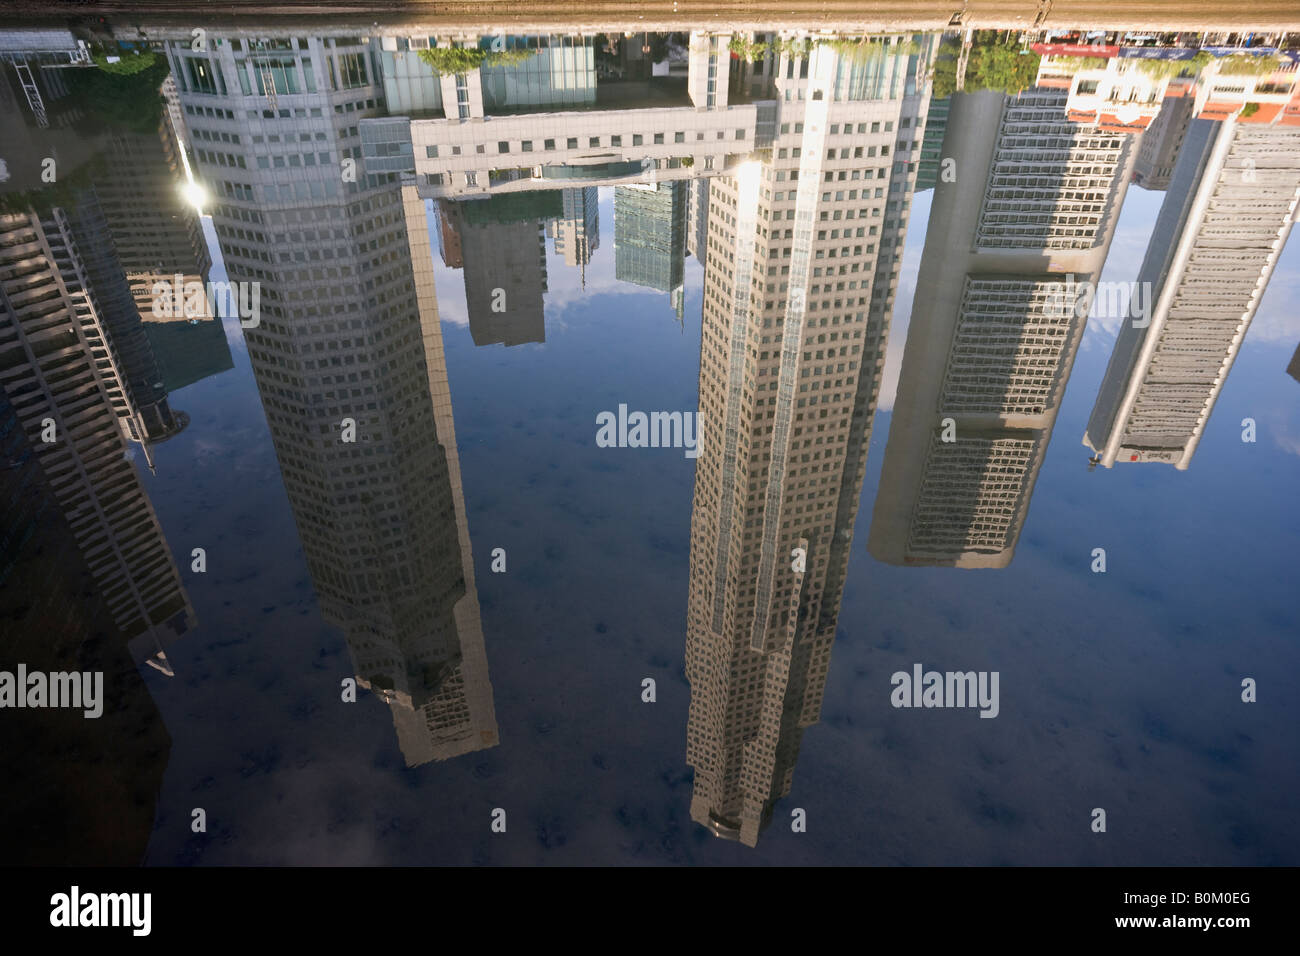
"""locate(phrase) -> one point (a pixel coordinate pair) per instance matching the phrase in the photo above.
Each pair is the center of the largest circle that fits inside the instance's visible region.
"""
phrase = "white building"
(1225, 219)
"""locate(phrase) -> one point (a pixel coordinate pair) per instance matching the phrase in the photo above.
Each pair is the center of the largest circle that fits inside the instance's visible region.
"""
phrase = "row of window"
(593, 142)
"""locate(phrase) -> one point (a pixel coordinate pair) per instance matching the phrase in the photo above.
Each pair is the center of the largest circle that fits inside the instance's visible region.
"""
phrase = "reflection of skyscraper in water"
(88, 787)
(87, 580)
(993, 332)
(460, 717)
(90, 180)
(188, 351)
(65, 378)
(930, 165)
(697, 218)
(577, 232)
(445, 237)
(1229, 208)
(339, 344)
(132, 227)
(142, 403)
(800, 274)
(159, 239)
(650, 237)
(498, 135)
(502, 243)
(156, 231)
(1160, 145)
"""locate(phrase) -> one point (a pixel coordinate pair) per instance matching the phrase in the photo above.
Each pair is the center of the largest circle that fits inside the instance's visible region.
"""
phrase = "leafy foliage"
(1168, 69)
(1244, 64)
(999, 64)
(854, 49)
(747, 49)
(129, 100)
(456, 60)
(945, 68)
(866, 49)
(128, 65)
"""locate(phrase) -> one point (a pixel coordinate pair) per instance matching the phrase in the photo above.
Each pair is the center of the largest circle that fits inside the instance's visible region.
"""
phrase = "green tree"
(1168, 69)
(130, 100)
(944, 82)
(746, 49)
(132, 62)
(1245, 64)
(867, 49)
(457, 60)
(997, 64)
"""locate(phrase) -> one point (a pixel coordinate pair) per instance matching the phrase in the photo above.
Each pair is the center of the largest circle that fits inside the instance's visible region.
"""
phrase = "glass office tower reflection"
(800, 274)
(650, 238)
(159, 239)
(576, 234)
(348, 338)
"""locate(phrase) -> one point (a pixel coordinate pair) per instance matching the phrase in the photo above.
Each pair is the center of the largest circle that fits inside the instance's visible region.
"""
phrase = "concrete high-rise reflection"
(1230, 205)
(800, 273)
(502, 245)
(67, 381)
(348, 336)
(993, 333)
(88, 788)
